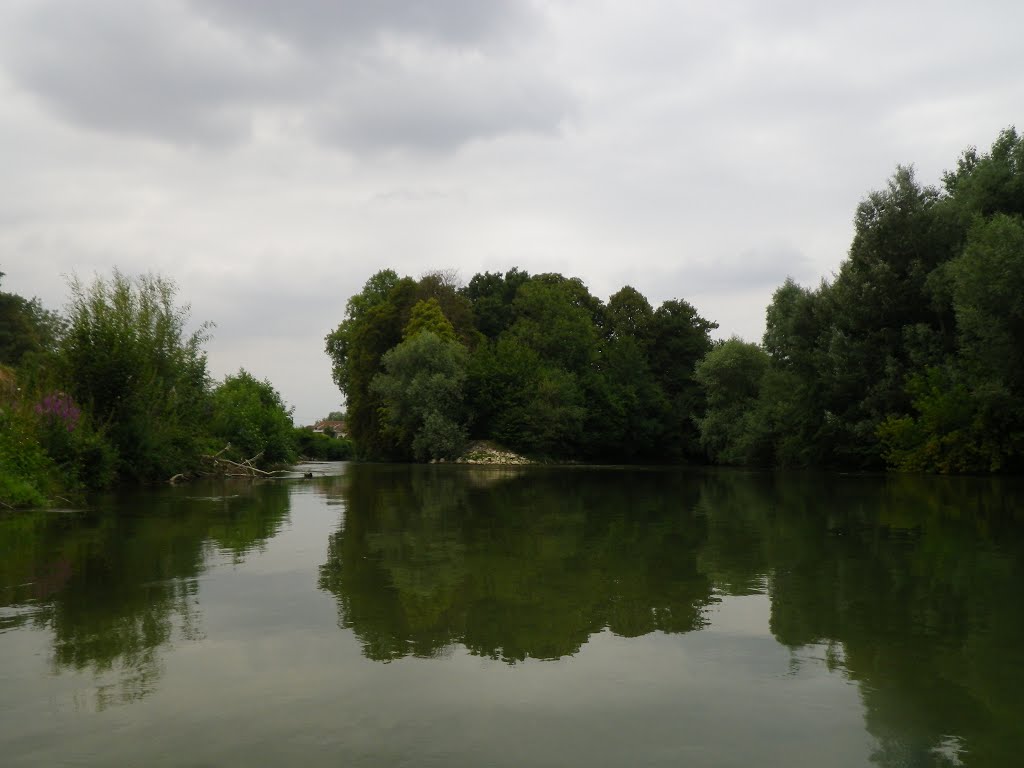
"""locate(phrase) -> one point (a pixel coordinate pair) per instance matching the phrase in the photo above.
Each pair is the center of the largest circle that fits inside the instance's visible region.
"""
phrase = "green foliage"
(549, 371)
(421, 390)
(319, 447)
(914, 354)
(442, 287)
(117, 389)
(250, 415)
(731, 375)
(373, 324)
(546, 416)
(990, 183)
(680, 338)
(84, 458)
(956, 430)
(629, 315)
(127, 358)
(25, 327)
(48, 447)
(28, 477)
(491, 296)
(988, 298)
(555, 318)
(427, 316)
(628, 410)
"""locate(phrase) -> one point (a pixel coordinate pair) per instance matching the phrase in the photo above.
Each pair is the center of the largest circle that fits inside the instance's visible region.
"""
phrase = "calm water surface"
(452, 616)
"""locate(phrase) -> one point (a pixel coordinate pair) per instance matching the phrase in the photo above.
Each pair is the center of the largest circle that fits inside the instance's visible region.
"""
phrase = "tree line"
(910, 357)
(115, 389)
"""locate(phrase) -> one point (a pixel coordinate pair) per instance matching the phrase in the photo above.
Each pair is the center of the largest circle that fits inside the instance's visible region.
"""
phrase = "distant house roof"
(337, 427)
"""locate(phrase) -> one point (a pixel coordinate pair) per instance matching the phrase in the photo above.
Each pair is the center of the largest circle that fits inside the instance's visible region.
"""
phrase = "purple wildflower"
(59, 407)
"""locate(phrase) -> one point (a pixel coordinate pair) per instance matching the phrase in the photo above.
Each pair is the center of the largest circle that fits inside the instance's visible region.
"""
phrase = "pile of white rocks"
(484, 452)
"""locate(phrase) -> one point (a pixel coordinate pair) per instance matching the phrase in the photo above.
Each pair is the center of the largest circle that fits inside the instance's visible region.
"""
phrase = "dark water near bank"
(451, 616)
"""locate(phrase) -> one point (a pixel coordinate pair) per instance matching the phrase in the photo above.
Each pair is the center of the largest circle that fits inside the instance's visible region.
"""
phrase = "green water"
(451, 616)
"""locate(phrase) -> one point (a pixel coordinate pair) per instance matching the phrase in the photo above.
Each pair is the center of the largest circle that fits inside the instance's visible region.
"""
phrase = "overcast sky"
(269, 156)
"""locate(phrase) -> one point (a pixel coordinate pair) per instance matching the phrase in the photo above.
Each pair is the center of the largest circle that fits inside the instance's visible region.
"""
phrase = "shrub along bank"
(116, 389)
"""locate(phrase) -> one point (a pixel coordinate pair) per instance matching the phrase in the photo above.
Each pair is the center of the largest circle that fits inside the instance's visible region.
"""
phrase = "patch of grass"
(18, 493)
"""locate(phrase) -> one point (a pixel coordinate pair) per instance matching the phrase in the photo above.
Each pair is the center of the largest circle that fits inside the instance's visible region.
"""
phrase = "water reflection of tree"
(117, 585)
(530, 567)
(920, 580)
(913, 585)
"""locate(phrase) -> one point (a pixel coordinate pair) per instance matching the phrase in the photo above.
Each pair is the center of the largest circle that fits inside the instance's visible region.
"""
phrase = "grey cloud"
(163, 70)
(756, 269)
(140, 68)
(319, 22)
(439, 111)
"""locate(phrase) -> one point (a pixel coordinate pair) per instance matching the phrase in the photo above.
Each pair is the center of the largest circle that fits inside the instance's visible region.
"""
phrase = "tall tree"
(25, 327)
(421, 390)
(128, 358)
(680, 338)
(731, 375)
(373, 324)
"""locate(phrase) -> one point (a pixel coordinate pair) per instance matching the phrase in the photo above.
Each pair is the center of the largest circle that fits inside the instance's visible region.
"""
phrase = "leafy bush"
(125, 357)
(27, 474)
(251, 416)
(320, 447)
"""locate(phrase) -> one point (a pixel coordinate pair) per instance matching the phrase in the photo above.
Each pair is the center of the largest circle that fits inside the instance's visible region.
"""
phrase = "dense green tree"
(881, 289)
(627, 410)
(988, 298)
(988, 183)
(629, 315)
(421, 391)
(912, 354)
(317, 446)
(442, 287)
(25, 327)
(731, 375)
(373, 324)
(551, 370)
(126, 356)
(968, 414)
(250, 416)
(966, 410)
(555, 317)
(427, 316)
(546, 415)
(798, 331)
(491, 295)
(680, 338)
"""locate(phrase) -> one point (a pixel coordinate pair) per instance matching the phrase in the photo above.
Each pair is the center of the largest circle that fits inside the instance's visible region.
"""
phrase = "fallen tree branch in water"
(218, 465)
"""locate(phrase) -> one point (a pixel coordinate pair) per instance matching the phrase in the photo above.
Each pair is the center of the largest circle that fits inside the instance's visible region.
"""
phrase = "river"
(389, 615)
